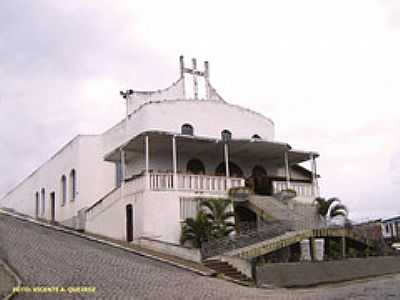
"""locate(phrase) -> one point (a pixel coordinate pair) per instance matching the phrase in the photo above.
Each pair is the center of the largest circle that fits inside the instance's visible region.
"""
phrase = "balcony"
(193, 183)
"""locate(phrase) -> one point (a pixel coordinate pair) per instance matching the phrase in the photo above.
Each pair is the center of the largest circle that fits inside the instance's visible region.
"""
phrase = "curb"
(90, 238)
(14, 275)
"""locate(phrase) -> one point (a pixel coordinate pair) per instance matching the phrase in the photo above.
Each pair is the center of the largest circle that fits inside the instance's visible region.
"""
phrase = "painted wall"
(94, 178)
(171, 115)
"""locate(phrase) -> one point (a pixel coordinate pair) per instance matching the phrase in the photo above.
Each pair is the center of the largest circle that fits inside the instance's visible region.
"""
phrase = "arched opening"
(63, 190)
(234, 170)
(43, 196)
(244, 218)
(52, 206)
(256, 136)
(195, 166)
(72, 184)
(259, 181)
(187, 129)
(37, 204)
(129, 223)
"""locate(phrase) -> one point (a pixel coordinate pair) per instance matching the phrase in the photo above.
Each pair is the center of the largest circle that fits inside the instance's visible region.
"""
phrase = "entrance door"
(53, 206)
(129, 223)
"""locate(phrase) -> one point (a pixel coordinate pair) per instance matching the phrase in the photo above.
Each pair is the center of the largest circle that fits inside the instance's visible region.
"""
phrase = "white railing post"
(174, 163)
(227, 171)
(123, 171)
(286, 157)
(147, 161)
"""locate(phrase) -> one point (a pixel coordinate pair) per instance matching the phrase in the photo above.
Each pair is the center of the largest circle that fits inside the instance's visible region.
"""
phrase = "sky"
(326, 72)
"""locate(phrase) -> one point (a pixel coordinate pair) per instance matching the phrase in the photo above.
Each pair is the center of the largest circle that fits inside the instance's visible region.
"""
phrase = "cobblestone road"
(47, 257)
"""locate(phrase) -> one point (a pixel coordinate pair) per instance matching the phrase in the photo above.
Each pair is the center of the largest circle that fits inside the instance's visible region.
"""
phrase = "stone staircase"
(301, 216)
(270, 245)
(229, 271)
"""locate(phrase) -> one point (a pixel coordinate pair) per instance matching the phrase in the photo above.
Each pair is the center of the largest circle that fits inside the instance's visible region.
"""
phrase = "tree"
(219, 215)
(196, 230)
(331, 208)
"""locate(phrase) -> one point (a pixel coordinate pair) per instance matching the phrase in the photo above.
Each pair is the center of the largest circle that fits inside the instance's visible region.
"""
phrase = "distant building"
(391, 229)
(144, 176)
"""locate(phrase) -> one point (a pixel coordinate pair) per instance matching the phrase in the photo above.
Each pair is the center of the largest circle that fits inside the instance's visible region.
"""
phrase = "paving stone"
(46, 257)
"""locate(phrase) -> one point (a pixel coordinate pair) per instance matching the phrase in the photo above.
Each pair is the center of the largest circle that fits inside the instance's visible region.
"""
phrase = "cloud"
(326, 73)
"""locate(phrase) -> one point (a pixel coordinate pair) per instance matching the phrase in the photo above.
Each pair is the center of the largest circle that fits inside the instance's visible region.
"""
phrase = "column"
(147, 154)
(287, 174)
(123, 171)
(227, 172)
(305, 251)
(174, 163)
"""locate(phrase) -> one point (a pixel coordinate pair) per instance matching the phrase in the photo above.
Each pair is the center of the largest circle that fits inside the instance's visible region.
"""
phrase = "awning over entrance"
(257, 149)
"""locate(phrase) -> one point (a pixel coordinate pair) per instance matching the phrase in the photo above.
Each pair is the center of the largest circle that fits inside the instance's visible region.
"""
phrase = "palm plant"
(196, 230)
(220, 216)
(331, 208)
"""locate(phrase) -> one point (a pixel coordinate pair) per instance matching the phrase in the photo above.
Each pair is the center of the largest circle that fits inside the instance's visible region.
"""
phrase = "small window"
(72, 184)
(43, 194)
(63, 190)
(226, 135)
(256, 136)
(187, 129)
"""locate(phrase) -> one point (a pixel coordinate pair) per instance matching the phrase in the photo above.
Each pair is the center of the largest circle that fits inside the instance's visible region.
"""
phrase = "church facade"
(143, 177)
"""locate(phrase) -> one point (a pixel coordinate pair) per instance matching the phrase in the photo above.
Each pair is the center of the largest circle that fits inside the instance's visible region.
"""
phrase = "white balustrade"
(302, 189)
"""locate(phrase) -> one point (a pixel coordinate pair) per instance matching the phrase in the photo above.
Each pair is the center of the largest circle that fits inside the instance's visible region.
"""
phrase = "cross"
(194, 72)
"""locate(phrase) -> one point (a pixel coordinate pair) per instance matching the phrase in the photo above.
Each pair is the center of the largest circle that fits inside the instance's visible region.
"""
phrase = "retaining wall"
(313, 273)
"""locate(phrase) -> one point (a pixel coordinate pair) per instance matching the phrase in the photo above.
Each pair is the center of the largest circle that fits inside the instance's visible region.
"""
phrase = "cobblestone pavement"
(46, 257)
(6, 282)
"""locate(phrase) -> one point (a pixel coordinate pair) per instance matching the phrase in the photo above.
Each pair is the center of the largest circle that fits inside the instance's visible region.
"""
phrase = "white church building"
(144, 176)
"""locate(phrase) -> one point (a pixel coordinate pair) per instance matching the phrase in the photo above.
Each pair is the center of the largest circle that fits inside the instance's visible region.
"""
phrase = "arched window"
(43, 195)
(256, 136)
(234, 170)
(63, 190)
(258, 171)
(187, 129)
(195, 166)
(37, 204)
(72, 184)
(226, 135)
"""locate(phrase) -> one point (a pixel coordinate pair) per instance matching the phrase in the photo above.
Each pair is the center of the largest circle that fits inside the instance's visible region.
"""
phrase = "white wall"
(94, 179)
(207, 117)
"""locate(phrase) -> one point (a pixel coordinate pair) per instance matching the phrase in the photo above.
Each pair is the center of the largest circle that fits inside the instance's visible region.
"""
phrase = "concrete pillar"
(174, 163)
(318, 249)
(123, 172)
(147, 160)
(305, 252)
(343, 243)
(287, 174)
(226, 158)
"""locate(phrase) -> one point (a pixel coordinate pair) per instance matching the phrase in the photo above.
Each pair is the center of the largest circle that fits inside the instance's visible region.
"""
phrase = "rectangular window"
(188, 208)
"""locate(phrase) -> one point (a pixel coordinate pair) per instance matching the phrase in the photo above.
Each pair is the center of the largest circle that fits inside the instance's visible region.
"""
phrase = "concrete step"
(227, 270)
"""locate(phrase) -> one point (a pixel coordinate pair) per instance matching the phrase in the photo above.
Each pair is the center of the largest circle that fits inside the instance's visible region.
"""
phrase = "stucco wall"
(94, 178)
(306, 274)
(207, 117)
